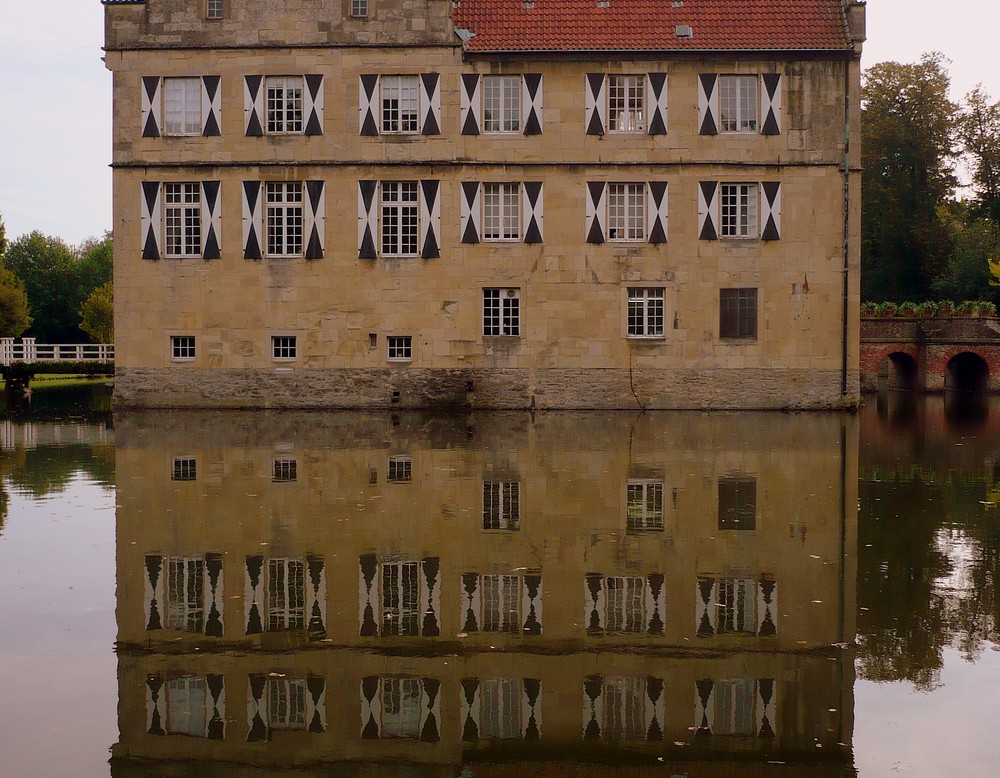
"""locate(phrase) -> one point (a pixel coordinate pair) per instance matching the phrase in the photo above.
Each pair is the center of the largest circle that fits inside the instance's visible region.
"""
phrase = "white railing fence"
(29, 351)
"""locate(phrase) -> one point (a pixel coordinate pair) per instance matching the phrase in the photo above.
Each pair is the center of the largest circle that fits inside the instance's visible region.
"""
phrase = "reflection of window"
(185, 469)
(623, 708)
(192, 705)
(286, 703)
(401, 598)
(400, 470)
(286, 594)
(400, 707)
(185, 594)
(501, 711)
(285, 470)
(741, 707)
(625, 603)
(501, 505)
(502, 603)
(738, 502)
(631, 604)
(738, 606)
(644, 506)
(187, 706)
(734, 707)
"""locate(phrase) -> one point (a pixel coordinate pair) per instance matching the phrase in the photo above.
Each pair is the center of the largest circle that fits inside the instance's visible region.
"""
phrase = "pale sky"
(55, 97)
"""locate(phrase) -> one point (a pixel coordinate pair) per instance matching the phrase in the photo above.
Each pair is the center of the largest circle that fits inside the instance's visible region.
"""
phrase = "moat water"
(486, 595)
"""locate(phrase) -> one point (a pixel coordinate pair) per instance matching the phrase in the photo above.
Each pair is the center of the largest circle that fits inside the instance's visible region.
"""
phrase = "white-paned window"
(182, 219)
(738, 103)
(184, 469)
(283, 96)
(400, 708)
(737, 606)
(625, 601)
(400, 96)
(400, 348)
(502, 311)
(645, 312)
(501, 211)
(286, 594)
(734, 701)
(400, 218)
(284, 346)
(644, 505)
(400, 469)
(185, 594)
(213, 9)
(501, 709)
(182, 106)
(182, 347)
(283, 204)
(359, 8)
(739, 211)
(501, 598)
(187, 706)
(401, 598)
(501, 505)
(626, 212)
(286, 704)
(501, 103)
(626, 103)
(624, 709)
(285, 469)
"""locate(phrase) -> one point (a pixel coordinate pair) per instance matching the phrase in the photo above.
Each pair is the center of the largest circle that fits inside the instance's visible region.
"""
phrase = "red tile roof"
(648, 25)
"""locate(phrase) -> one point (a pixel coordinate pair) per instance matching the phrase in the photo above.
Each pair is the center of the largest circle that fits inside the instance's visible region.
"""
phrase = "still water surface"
(560, 594)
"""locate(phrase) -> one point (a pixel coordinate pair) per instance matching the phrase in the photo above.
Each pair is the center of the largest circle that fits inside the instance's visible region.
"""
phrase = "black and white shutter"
(531, 605)
(253, 595)
(257, 708)
(150, 218)
(153, 586)
(316, 597)
(597, 208)
(430, 104)
(430, 710)
(708, 208)
(656, 103)
(704, 706)
(371, 708)
(369, 610)
(253, 219)
(770, 210)
(430, 218)
(469, 101)
(656, 212)
(368, 103)
(430, 597)
(312, 104)
(211, 106)
(706, 614)
(156, 705)
(253, 105)
(315, 219)
(766, 704)
(708, 104)
(770, 104)
(315, 703)
(767, 608)
(531, 103)
(654, 706)
(596, 599)
(214, 596)
(472, 603)
(593, 707)
(532, 213)
(471, 212)
(595, 104)
(367, 219)
(211, 220)
(151, 106)
(471, 709)
(655, 603)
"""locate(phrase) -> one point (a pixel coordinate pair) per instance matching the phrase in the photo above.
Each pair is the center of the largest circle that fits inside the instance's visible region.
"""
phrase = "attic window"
(683, 31)
(603, 3)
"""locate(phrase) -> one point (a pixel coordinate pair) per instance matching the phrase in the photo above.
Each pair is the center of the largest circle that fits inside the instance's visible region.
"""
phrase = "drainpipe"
(854, 15)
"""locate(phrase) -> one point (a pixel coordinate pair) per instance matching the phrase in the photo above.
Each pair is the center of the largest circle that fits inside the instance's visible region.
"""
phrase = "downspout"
(847, 220)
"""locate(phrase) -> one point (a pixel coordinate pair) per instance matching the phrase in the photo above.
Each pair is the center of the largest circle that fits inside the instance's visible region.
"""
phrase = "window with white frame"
(213, 9)
(185, 595)
(359, 8)
(182, 347)
(645, 312)
(644, 506)
(284, 214)
(184, 469)
(400, 348)
(738, 211)
(738, 103)
(182, 106)
(501, 505)
(286, 594)
(501, 602)
(626, 212)
(182, 219)
(284, 347)
(400, 99)
(501, 103)
(736, 601)
(399, 470)
(626, 103)
(625, 604)
(285, 469)
(401, 707)
(500, 712)
(286, 704)
(283, 104)
(400, 220)
(187, 706)
(501, 211)
(401, 598)
(501, 312)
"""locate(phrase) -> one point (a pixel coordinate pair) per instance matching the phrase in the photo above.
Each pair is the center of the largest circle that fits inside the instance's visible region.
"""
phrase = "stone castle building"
(498, 203)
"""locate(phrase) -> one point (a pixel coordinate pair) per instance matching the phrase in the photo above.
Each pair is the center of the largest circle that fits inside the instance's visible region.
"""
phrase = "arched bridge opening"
(900, 371)
(967, 372)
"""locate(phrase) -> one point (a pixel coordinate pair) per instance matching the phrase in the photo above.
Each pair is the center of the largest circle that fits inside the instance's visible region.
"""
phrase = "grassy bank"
(59, 380)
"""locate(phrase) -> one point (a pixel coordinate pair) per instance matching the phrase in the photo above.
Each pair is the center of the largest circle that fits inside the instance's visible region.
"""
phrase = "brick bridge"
(932, 355)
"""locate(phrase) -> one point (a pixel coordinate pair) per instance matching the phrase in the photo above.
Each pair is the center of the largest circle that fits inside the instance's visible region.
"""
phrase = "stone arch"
(902, 371)
(966, 371)
(903, 367)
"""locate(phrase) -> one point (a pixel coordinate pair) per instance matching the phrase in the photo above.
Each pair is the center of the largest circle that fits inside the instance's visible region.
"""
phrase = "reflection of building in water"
(433, 591)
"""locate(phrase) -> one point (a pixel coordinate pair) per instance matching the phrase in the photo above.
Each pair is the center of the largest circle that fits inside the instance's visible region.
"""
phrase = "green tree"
(908, 129)
(14, 317)
(97, 314)
(979, 135)
(975, 241)
(3, 236)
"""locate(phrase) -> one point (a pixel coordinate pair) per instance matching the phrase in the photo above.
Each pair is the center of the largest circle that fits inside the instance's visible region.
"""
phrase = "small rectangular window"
(400, 470)
(184, 469)
(738, 103)
(626, 103)
(645, 312)
(501, 103)
(214, 9)
(400, 348)
(283, 206)
(285, 470)
(738, 314)
(359, 8)
(739, 211)
(400, 96)
(182, 106)
(501, 505)
(501, 212)
(502, 312)
(626, 212)
(182, 347)
(644, 506)
(284, 347)
(738, 502)
(283, 95)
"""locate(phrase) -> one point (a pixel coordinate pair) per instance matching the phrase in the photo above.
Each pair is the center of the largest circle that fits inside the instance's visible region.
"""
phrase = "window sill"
(502, 337)
(182, 360)
(399, 361)
(737, 341)
(653, 339)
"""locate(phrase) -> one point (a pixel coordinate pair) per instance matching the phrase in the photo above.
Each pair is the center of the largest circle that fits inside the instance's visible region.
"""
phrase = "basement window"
(213, 9)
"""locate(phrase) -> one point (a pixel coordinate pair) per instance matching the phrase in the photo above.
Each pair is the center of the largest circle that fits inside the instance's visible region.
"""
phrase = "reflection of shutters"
(708, 104)
(471, 603)
(367, 102)
(367, 219)
(470, 105)
(770, 104)
(708, 207)
(655, 603)
(531, 605)
(253, 220)
(315, 219)
(706, 615)
(531, 208)
(150, 218)
(593, 707)
(315, 703)
(470, 212)
(766, 705)
(214, 596)
(368, 595)
(430, 597)
(211, 220)
(315, 597)
(430, 219)
(371, 707)
(595, 104)
(430, 709)
(211, 106)
(704, 706)
(656, 212)
(253, 595)
(656, 102)
(430, 104)
(151, 106)
(257, 730)
(156, 706)
(153, 592)
(596, 600)
(770, 210)
(654, 708)
(767, 608)
(253, 105)
(215, 726)
(312, 104)
(531, 709)
(531, 103)
(471, 701)
(597, 205)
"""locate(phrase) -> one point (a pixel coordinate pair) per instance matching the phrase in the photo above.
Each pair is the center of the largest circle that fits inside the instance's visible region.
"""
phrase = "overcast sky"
(55, 97)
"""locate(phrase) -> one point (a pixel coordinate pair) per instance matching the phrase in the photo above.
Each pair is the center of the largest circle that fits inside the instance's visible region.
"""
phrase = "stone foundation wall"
(734, 389)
